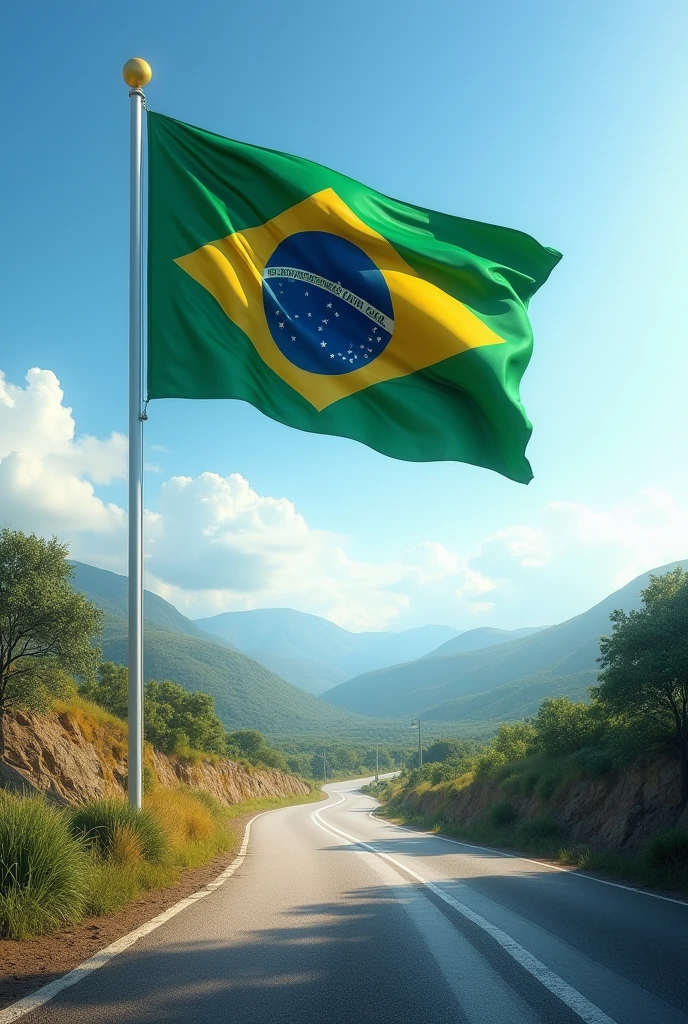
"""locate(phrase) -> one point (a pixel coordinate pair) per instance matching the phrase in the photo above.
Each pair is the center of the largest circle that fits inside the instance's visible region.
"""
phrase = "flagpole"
(136, 73)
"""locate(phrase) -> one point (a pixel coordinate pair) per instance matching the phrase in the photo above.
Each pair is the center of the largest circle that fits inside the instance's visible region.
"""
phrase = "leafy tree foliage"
(645, 662)
(109, 688)
(515, 740)
(174, 720)
(562, 725)
(250, 744)
(46, 628)
(443, 750)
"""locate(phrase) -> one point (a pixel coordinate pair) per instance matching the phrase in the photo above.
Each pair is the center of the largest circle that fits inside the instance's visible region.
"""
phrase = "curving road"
(335, 917)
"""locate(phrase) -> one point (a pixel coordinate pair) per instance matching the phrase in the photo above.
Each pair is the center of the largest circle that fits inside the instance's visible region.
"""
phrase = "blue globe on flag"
(327, 305)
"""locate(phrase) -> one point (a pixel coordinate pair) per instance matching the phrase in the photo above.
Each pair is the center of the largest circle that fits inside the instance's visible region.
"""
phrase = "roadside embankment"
(77, 753)
(72, 848)
(630, 822)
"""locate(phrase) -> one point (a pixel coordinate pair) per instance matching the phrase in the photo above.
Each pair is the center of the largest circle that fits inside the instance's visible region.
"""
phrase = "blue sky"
(565, 120)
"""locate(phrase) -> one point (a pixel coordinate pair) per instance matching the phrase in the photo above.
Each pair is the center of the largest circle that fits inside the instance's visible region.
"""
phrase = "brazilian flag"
(333, 308)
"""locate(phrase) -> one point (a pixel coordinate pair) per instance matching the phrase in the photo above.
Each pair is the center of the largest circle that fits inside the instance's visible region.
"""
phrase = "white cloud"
(217, 544)
(214, 544)
(46, 475)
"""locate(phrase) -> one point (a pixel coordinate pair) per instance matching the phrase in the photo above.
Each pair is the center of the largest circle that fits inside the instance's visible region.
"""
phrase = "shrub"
(101, 822)
(667, 852)
(42, 884)
(504, 814)
(537, 832)
(563, 725)
(183, 818)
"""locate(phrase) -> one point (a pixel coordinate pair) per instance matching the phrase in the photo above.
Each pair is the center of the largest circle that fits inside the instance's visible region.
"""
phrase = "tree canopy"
(46, 628)
(645, 661)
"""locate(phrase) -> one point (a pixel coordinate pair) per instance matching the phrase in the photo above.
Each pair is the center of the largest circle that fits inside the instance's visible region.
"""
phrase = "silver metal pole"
(420, 746)
(136, 73)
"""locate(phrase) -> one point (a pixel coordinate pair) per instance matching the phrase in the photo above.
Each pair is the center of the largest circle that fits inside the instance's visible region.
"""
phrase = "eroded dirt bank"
(74, 757)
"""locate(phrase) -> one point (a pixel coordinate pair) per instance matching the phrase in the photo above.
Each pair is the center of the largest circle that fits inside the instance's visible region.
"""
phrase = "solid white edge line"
(571, 997)
(529, 860)
(43, 995)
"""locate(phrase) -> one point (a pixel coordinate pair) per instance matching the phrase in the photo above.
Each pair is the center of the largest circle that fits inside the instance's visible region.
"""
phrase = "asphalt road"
(315, 928)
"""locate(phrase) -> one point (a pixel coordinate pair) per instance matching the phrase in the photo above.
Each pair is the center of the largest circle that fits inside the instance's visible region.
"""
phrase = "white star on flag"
(325, 321)
(320, 328)
(305, 293)
(329, 305)
(281, 323)
(293, 337)
(336, 314)
(310, 314)
(323, 344)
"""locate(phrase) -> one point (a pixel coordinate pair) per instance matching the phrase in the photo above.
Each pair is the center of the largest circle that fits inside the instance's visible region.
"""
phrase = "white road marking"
(529, 860)
(568, 995)
(47, 992)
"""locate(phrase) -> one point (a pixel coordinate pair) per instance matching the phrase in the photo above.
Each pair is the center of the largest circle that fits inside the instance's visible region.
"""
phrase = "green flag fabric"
(333, 308)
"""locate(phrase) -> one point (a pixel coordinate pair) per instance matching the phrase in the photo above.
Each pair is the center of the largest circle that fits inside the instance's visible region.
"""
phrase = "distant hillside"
(485, 636)
(109, 592)
(311, 676)
(246, 693)
(502, 681)
(292, 634)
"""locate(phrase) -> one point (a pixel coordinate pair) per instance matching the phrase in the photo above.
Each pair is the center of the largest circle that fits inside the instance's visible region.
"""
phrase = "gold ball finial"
(137, 72)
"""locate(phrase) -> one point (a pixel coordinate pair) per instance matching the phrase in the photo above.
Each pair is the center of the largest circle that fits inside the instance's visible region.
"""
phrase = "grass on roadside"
(60, 865)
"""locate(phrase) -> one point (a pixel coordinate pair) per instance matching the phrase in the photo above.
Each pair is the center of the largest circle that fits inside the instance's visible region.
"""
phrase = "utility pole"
(416, 721)
(324, 760)
(377, 764)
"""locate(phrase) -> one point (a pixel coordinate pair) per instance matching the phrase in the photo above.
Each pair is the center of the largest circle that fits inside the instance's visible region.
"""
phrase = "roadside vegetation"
(637, 711)
(60, 865)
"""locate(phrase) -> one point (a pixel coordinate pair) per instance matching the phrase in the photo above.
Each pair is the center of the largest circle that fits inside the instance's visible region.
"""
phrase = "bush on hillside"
(503, 815)
(42, 868)
(250, 744)
(667, 852)
(538, 833)
(175, 720)
(109, 689)
(449, 750)
(562, 725)
(109, 826)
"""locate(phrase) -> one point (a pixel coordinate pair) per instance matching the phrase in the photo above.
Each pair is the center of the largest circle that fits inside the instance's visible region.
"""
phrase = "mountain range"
(313, 652)
(459, 681)
(497, 683)
(246, 694)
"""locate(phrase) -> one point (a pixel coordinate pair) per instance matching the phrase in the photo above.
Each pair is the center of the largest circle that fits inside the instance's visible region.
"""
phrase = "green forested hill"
(495, 683)
(286, 633)
(484, 636)
(247, 695)
(109, 592)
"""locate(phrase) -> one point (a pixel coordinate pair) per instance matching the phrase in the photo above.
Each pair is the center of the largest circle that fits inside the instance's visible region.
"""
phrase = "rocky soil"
(619, 811)
(73, 757)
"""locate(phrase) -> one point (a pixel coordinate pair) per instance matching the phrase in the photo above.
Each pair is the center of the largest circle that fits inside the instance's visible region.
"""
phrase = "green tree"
(449, 749)
(563, 725)
(247, 741)
(645, 663)
(176, 719)
(250, 743)
(109, 689)
(515, 740)
(46, 628)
